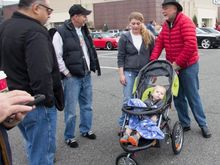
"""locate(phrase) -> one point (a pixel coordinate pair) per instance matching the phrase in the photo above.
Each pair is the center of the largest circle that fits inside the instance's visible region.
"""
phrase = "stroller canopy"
(157, 68)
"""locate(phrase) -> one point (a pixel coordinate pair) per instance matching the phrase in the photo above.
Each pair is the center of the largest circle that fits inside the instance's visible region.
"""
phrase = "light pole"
(1, 7)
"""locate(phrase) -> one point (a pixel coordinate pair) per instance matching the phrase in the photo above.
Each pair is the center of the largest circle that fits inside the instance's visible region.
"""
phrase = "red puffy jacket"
(179, 41)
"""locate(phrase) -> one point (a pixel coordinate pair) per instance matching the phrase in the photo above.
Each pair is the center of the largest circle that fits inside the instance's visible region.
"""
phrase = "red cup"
(3, 82)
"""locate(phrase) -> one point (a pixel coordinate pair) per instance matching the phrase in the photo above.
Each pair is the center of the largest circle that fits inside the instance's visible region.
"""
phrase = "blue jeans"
(189, 93)
(127, 90)
(39, 131)
(76, 90)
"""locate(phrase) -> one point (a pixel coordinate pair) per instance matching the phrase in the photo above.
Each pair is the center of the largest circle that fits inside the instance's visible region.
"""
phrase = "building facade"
(6, 9)
(205, 11)
(61, 9)
(114, 13)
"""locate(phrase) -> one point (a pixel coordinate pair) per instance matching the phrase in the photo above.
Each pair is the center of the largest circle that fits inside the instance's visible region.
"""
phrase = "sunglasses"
(49, 10)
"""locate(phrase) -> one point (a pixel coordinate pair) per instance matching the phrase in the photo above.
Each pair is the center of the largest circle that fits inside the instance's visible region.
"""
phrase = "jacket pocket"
(74, 62)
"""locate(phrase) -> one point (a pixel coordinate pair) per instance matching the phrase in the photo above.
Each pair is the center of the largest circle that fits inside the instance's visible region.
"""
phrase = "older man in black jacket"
(76, 57)
(27, 57)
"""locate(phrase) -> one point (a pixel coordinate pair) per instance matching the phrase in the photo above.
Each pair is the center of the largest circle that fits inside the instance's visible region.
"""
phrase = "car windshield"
(199, 31)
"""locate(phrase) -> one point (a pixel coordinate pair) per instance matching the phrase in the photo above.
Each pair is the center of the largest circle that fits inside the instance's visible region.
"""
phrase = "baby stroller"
(143, 86)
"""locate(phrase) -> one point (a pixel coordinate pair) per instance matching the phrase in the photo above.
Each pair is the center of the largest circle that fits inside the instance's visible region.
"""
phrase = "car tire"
(109, 46)
(206, 43)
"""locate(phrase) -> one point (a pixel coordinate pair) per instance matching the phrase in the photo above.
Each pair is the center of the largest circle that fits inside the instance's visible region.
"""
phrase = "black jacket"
(128, 56)
(73, 55)
(28, 59)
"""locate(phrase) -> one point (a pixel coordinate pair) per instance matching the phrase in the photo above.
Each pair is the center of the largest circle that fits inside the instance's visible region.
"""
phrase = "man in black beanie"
(178, 37)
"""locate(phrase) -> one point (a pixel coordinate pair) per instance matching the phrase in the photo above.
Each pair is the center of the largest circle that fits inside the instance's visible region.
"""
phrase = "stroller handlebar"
(144, 110)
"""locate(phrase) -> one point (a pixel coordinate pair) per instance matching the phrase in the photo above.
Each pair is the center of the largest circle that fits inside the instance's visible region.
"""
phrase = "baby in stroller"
(147, 122)
(138, 126)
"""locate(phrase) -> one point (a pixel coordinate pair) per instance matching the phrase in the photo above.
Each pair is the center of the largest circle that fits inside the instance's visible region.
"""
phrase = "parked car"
(207, 40)
(104, 40)
(114, 31)
(210, 30)
(120, 33)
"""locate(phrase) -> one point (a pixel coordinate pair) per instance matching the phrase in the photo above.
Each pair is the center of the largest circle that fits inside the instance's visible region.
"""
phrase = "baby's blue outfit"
(144, 125)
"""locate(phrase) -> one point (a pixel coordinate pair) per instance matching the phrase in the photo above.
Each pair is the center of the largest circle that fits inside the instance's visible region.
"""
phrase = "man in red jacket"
(178, 37)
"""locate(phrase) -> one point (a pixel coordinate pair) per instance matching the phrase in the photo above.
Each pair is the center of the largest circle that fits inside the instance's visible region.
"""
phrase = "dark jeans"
(189, 94)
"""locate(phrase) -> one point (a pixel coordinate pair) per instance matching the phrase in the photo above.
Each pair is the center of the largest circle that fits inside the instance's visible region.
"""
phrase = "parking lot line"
(108, 54)
(108, 67)
(107, 57)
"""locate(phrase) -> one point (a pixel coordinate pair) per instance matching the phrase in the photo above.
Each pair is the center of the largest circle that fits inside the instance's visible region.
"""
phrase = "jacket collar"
(17, 14)
(71, 28)
(69, 25)
(172, 24)
(128, 34)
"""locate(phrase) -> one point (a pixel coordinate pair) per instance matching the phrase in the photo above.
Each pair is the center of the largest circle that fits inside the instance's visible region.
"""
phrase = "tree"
(195, 21)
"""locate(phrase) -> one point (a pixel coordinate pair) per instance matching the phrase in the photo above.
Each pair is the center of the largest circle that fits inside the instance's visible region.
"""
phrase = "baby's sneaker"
(133, 140)
(124, 139)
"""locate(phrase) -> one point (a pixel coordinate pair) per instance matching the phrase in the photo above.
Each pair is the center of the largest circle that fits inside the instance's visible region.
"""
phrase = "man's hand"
(13, 102)
(153, 79)
(69, 75)
(175, 66)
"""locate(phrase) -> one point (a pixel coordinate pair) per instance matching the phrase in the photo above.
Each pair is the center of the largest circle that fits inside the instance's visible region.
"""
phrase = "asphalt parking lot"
(107, 103)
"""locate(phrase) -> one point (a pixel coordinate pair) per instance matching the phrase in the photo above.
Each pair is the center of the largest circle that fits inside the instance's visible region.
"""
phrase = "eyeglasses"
(49, 10)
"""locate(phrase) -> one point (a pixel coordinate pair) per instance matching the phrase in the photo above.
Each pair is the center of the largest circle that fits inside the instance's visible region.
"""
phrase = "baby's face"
(158, 93)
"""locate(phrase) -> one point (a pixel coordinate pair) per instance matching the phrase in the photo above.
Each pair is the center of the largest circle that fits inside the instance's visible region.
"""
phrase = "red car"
(104, 40)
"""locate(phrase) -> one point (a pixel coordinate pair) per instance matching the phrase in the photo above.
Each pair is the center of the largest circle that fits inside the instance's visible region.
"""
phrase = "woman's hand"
(123, 79)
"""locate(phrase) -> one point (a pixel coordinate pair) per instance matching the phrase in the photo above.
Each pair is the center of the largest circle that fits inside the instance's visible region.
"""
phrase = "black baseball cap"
(78, 9)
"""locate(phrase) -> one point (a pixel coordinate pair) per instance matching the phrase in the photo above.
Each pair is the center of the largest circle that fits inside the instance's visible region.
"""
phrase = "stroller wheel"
(177, 138)
(125, 159)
